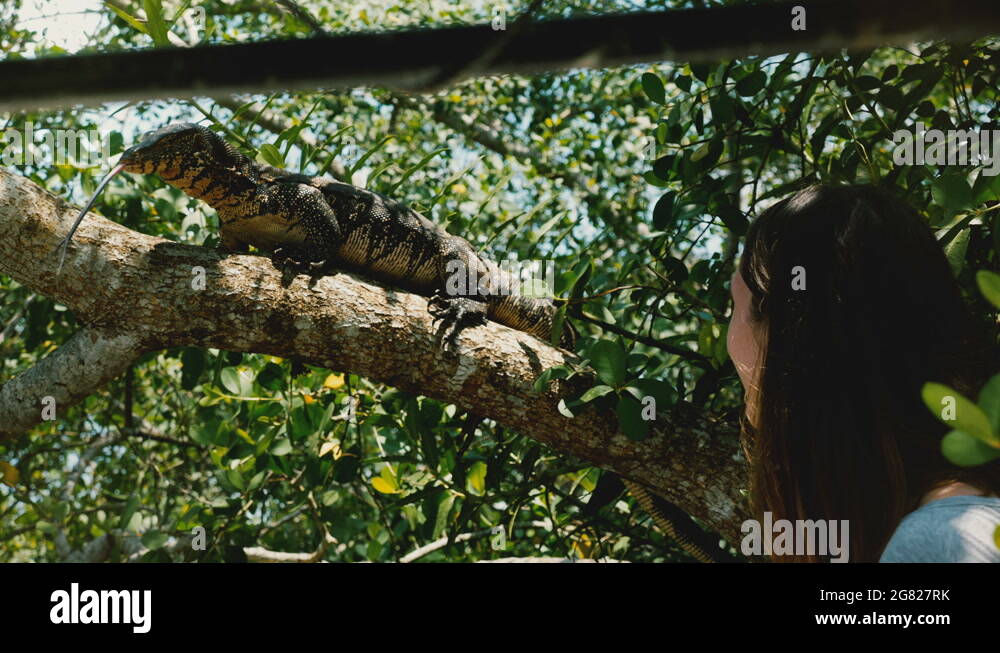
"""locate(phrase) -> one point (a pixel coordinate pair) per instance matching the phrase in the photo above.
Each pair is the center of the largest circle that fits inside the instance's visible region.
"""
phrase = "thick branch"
(260, 554)
(417, 59)
(88, 360)
(146, 290)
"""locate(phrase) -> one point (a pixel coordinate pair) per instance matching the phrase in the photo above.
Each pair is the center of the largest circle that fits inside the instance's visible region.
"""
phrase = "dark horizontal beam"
(422, 60)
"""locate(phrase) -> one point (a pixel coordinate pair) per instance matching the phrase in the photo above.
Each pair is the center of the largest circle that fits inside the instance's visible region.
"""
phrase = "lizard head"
(175, 151)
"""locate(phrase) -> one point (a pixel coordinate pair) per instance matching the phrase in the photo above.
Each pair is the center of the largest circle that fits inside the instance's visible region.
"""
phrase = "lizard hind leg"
(464, 289)
(293, 260)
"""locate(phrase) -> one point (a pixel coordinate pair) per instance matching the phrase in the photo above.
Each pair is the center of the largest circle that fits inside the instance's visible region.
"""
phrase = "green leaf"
(244, 381)
(154, 22)
(10, 476)
(706, 340)
(986, 188)
(608, 358)
(128, 18)
(383, 486)
(662, 169)
(165, 209)
(967, 451)
(256, 481)
(271, 155)
(230, 379)
(721, 353)
(441, 520)
(867, 82)
(581, 277)
(954, 410)
(653, 180)
(130, 507)
(115, 142)
(271, 377)
(235, 478)
(193, 362)
(653, 86)
(892, 97)
(989, 285)
(281, 447)
(663, 212)
(682, 81)
(557, 372)
(955, 251)
(595, 392)
(675, 268)
(535, 235)
(663, 392)
(734, 219)
(989, 401)
(346, 468)
(952, 192)
(751, 84)
(375, 148)
(153, 540)
(630, 419)
(635, 360)
(569, 408)
(476, 478)
(420, 165)
(723, 109)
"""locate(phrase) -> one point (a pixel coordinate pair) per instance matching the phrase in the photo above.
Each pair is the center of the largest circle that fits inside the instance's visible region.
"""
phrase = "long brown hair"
(840, 430)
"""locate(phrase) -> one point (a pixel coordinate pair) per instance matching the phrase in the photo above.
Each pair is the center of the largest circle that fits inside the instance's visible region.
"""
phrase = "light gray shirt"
(952, 529)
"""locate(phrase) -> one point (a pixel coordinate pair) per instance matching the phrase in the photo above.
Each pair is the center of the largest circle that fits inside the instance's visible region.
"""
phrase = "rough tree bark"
(136, 293)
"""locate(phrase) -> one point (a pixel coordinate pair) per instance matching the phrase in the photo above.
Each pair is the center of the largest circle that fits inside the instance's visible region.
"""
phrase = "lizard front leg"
(300, 226)
(230, 244)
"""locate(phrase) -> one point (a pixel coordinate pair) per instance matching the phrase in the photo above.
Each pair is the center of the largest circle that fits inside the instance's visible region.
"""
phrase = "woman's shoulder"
(952, 529)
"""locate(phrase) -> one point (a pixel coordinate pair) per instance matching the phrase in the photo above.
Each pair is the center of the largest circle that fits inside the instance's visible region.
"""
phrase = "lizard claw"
(282, 259)
(455, 314)
(293, 262)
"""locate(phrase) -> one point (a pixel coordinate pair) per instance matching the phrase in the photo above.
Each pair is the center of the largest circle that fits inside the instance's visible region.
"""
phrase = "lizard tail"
(677, 525)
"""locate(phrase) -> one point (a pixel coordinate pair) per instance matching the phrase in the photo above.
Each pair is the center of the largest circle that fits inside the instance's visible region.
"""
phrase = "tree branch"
(374, 59)
(276, 124)
(260, 554)
(301, 14)
(549, 560)
(135, 293)
(88, 360)
(495, 141)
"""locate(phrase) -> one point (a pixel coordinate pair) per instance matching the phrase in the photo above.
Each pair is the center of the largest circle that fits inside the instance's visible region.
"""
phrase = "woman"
(844, 306)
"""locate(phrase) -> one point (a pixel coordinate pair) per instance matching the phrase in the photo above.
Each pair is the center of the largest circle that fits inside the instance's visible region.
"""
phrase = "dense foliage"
(637, 183)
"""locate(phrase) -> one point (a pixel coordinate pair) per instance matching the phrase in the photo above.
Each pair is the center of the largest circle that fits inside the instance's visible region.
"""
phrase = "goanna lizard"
(311, 223)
